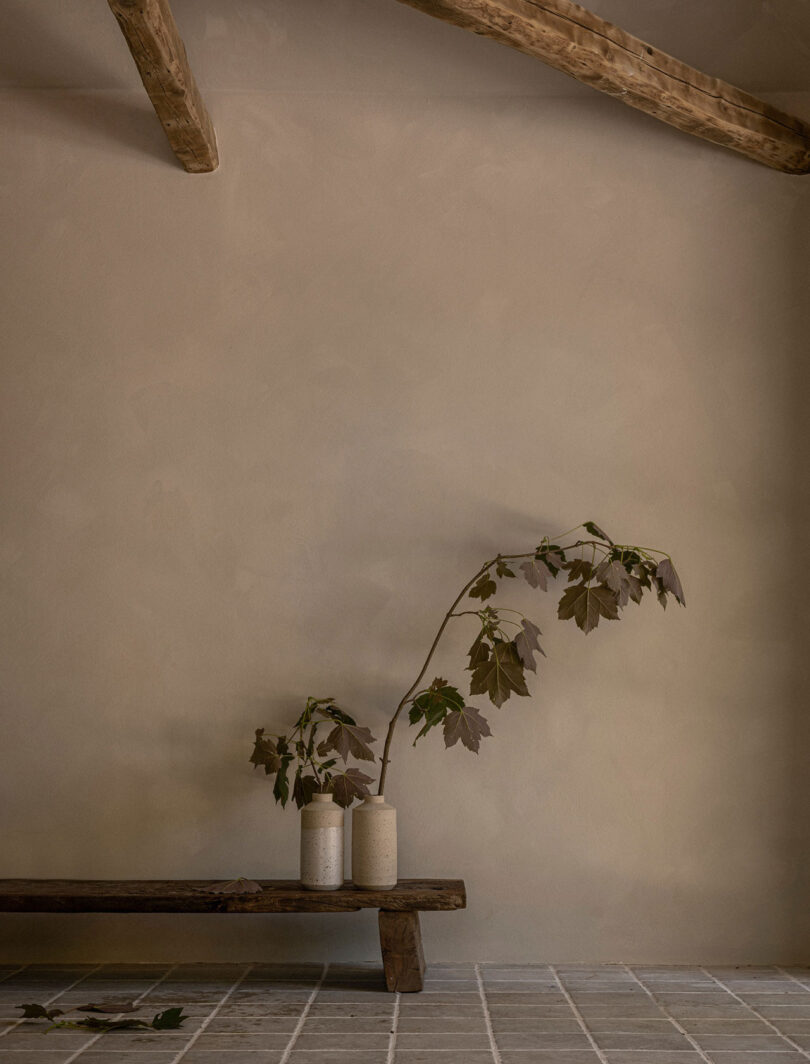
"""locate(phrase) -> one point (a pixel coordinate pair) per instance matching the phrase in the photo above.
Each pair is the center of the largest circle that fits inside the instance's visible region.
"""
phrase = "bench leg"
(401, 944)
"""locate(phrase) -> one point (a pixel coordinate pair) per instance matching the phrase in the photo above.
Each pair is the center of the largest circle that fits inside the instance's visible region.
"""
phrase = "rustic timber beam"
(159, 53)
(577, 42)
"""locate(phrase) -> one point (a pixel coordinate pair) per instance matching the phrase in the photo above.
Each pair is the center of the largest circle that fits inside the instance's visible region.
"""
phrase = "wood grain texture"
(579, 43)
(159, 53)
(190, 896)
(401, 945)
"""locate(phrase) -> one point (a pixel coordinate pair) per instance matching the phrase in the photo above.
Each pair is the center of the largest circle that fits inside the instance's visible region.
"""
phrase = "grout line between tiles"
(573, 1007)
(493, 1046)
(285, 1056)
(793, 978)
(16, 971)
(55, 997)
(119, 1016)
(804, 1052)
(669, 1016)
(392, 1041)
(211, 1015)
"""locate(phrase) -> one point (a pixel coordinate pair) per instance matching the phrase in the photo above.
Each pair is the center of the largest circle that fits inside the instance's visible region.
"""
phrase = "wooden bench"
(400, 935)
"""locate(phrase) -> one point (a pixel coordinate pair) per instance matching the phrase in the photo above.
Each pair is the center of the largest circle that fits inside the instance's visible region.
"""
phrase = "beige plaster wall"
(259, 426)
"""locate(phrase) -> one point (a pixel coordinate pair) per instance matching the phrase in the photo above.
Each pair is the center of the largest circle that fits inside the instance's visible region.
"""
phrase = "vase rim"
(318, 797)
(375, 798)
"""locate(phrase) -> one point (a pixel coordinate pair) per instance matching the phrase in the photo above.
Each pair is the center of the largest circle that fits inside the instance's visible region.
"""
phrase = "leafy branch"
(169, 1020)
(603, 577)
(317, 763)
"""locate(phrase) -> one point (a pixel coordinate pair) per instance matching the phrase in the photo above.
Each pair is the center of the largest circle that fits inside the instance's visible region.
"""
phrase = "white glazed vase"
(374, 844)
(321, 844)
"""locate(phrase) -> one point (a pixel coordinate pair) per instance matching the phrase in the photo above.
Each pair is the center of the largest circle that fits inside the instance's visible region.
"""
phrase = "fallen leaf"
(34, 1012)
(235, 886)
(113, 1007)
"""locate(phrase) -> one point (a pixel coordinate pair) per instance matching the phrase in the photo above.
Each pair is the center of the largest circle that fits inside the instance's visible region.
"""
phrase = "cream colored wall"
(259, 426)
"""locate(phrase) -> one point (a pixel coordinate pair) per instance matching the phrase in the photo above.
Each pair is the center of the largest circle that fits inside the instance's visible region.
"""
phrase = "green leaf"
(169, 1020)
(265, 753)
(484, 587)
(586, 604)
(351, 740)
(281, 787)
(670, 581)
(465, 724)
(433, 705)
(303, 789)
(500, 675)
(536, 572)
(578, 569)
(478, 652)
(333, 712)
(551, 555)
(526, 644)
(502, 569)
(348, 784)
(595, 530)
(35, 1012)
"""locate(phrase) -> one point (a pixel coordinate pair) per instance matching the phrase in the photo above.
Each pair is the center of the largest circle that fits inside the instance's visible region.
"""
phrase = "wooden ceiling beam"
(579, 43)
(159, 53)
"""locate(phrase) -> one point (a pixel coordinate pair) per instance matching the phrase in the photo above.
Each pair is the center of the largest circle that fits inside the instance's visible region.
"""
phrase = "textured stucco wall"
(259, 426)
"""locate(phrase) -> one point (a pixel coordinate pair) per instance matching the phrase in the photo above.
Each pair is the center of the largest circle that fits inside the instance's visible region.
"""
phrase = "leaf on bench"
(235, 886)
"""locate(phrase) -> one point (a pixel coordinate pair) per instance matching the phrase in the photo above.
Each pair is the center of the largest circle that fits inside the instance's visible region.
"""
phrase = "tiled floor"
(467, 1014)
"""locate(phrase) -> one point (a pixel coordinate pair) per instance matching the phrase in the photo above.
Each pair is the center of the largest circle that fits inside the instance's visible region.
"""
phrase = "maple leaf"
(595, 530)
(484, 587)
(526, 644)
(114, 1007)
(303, 789)
(670, 581)
(536, 572)
(281, 786)
(169, 1020)
(434, 704)
(615, 575)
(500, 675)
(579, 569)
(551, 556)
(586, 604)
(351, 740)
(230, 886)
(465, 724)
(265, 753)
(348, 784)
(478, 652)
(35, 1012)
(502, 569)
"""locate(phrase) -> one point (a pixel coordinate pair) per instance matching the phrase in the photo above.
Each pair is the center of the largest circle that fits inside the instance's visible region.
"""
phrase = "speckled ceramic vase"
(321, 844)
(374, 844)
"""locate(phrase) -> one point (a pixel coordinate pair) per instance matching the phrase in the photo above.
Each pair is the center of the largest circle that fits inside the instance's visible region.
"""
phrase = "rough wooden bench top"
(400, 936)
(192, 896)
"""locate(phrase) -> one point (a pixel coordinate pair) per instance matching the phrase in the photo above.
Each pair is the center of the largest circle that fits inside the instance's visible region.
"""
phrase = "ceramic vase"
(321, 844)
(374, 844)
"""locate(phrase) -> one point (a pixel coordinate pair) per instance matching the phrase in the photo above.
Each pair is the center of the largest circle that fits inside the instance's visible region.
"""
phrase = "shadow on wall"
(59, 62)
